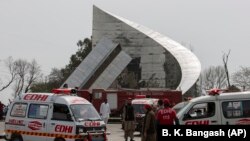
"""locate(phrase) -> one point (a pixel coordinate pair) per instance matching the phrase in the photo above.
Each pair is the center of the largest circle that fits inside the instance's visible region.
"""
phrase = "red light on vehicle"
(214, 91)
(64, 91)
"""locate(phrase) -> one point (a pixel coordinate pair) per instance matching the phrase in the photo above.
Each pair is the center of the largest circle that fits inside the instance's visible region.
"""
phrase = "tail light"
(85, 139)
(105, 136)
(89, 137)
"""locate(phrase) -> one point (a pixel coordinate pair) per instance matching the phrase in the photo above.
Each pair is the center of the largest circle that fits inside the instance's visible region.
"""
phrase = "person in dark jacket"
(159, 106)
(129, 120)
(149, 129)
(1, 110)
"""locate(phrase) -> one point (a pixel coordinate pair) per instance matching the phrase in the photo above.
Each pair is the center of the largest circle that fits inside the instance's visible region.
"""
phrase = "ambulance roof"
(180, 105)
(144, 101)
(50, 97)
(223, 96)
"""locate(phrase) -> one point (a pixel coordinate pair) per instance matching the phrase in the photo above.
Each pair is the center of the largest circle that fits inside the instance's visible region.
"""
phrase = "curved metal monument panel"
(188, 62)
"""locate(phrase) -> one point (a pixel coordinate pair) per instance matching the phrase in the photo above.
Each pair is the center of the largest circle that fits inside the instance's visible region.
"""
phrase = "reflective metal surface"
(98, 69)
(164, 63)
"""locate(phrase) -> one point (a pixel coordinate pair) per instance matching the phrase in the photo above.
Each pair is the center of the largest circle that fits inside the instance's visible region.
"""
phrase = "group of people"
(154, 118)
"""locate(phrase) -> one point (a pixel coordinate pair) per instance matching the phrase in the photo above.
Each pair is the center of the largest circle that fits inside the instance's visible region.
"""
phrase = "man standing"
(159, 105)
(129, 120)
(149, 130)
(1, 110)
(105, 111)
(167, 116)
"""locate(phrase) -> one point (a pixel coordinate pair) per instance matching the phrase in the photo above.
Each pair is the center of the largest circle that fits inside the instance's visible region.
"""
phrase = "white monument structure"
(158, 61)
(129, 55)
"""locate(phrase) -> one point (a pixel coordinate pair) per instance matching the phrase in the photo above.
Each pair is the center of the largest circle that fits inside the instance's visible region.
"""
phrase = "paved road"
(117, 133)
(1, 130)
(115, 129)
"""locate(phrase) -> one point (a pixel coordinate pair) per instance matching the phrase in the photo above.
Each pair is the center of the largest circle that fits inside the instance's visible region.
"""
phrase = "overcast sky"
(48, 30)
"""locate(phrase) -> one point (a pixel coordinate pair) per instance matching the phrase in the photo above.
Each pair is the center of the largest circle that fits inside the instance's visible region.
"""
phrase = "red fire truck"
(117, 97)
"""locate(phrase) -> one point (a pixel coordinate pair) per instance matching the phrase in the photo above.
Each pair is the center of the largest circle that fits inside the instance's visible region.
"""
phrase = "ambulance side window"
(201, 110)
(236, 109)
(38, 111)
(61, 112)
(19, 110)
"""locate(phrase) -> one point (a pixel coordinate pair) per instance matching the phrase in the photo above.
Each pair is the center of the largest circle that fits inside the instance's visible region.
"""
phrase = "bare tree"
(56, 75)
(33, 74)
(225, 61)
(22, 70)
(27, 73)
(9, 62)
(213, 77)
(241, 78)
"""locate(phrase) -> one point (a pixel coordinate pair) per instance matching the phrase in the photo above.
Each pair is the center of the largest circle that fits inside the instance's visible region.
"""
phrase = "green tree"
(58, 76)
(85, 46)
(53, 80)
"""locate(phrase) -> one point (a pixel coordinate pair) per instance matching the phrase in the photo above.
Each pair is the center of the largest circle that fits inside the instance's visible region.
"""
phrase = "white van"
(53, 117)
(179, 106)
(138, 104)
(217, 109)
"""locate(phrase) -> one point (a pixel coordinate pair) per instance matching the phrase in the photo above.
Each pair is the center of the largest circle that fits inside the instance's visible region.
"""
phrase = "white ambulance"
(53, 117)
(217, 109)
(138, 104)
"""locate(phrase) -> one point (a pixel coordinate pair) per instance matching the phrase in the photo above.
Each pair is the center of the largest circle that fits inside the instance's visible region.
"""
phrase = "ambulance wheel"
(16, 137)
(59, 139)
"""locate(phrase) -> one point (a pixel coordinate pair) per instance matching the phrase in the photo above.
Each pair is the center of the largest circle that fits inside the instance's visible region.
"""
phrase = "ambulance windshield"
(139, 108)
(83, 112)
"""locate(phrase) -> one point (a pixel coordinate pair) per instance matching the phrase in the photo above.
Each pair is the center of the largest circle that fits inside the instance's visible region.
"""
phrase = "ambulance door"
(61, 123)
(37, 122)
(205, 113)
(235, 112)
(16, 118)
